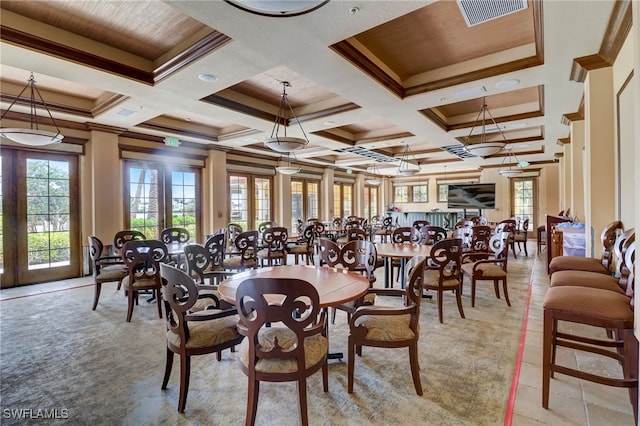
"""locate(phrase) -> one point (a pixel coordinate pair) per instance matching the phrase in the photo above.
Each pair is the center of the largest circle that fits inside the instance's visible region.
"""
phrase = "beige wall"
(101, 188)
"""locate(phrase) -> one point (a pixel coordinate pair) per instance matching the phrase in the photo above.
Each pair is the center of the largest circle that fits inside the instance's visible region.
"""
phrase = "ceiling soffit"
(441, 50)
(504, 107)
(148, 51)
(260, 97)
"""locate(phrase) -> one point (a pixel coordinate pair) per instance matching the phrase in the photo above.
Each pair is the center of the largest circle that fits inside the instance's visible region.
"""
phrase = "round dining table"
(402, 251)
(335, 286)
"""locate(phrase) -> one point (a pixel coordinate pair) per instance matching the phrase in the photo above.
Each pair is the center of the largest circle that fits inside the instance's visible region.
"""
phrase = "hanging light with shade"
(513, 166)
(375, 178)
(32, 136)
(281, 142)
(484, 148)
(288, 169)
(408, 163)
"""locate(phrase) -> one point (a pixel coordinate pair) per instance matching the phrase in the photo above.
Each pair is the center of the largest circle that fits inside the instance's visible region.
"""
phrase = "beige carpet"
(58, 354)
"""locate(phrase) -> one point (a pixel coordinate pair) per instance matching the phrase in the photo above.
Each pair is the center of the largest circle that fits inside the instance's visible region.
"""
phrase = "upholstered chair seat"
(432, 275)
(591, 303)
(236, 262)
(315, 350)
(386, 328)
(586, 279)
(112, 273)
(203, 334)
(485, 270)
(576, 263)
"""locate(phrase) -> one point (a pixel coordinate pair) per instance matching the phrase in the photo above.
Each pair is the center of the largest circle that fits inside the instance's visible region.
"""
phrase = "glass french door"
(523, 200)
(370, 201)
(40, 217)
(304, 200)
(159, 197)
(250, 200)
(342, 199)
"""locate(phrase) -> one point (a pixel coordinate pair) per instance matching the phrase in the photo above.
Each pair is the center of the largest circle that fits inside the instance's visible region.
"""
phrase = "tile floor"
(572, 402)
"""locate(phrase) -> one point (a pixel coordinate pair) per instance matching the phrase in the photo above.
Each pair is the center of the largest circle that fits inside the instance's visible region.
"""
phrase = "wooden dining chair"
(106, 268)
(430, 234)
(403, 235)
(489, 266)
(348, 226)
(175, 235)
(274, 243)
(305, 246)
(442, 272)
(418, 224)
(142, 259)
(285, 340)
(193, 333)
(386, 228)
(125, 235)
(510, 226)
(464, 233)
(244, 255)
(264, 225)
(388, 326)
(358, 256)
(205, 262)
(521, 235)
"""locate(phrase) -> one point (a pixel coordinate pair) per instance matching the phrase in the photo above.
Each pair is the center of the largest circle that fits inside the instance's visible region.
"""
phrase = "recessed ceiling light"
(470, 93)
(209, 78)
(124, 112)
(329, 123)
(507, 84)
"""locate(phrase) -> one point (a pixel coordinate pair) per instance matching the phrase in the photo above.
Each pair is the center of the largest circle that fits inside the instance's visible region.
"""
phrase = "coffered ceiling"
(366, 77)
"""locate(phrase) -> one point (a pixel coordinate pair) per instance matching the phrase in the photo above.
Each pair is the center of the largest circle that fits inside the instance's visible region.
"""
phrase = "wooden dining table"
(335, 286)
(402, 251)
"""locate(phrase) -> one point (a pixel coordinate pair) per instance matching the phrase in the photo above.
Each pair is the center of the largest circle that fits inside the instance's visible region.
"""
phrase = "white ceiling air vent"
(478, 11)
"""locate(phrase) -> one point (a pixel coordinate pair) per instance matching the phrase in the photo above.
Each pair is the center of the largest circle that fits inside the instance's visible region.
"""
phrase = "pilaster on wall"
(215, 204)
(600, 158)
(102, 190)
(560, 181)
(282, 206)
(576, 200)
(327, 195)
(567, 162)
(359, 195)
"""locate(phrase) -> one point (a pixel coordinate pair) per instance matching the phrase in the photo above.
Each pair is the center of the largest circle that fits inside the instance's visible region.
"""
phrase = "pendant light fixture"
(375, 178)
(288, 169)
(32, 136)
(515, 167)
(281, 142)
(408, 163)
(484, 148)
(278, 8)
